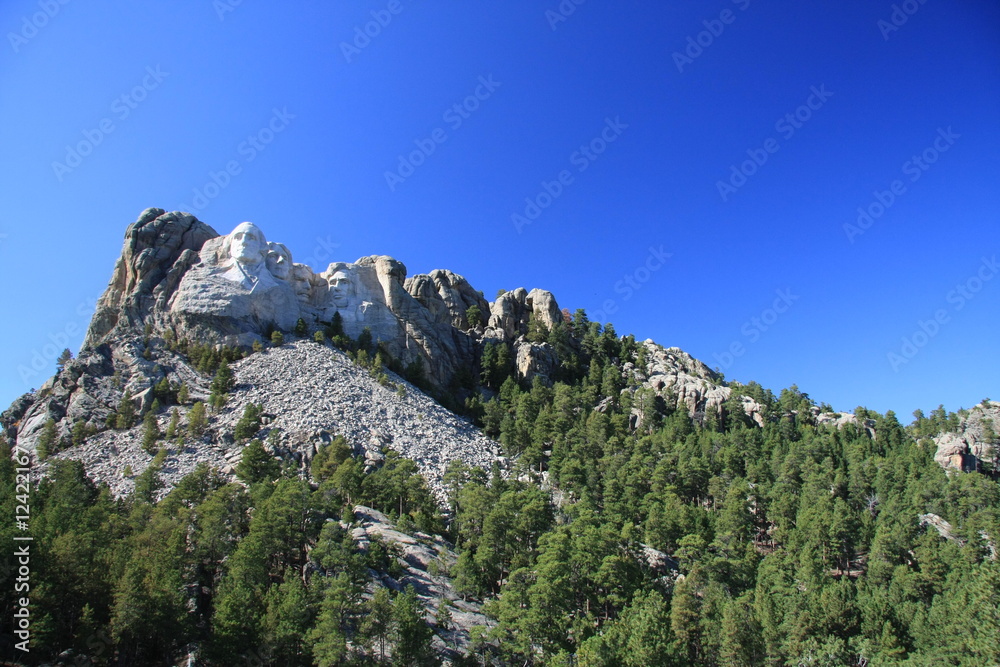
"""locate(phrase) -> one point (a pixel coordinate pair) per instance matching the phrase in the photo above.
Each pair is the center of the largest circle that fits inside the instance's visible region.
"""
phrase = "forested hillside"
(627, 532)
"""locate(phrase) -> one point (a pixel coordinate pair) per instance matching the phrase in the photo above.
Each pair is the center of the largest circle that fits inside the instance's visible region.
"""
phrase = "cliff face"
(178, 280)
(975, 445)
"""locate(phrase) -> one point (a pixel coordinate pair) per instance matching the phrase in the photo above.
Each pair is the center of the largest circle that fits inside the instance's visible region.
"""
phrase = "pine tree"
(125, 417)
(413, 635)
(63, 358)
(377, 626)
(175, 419)
(328, 636)
(301, 328)
(249, 423)
(256, 465)
(474, 316)
(47, 440)
(151, 433)
(197, 421)
(222, 384)
(277, 339)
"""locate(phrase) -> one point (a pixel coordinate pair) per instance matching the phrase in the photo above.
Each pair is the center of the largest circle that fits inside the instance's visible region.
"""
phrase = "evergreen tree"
(150, 433)
(249, 423)
(47, 444)
(413, 636)
(172, 426)
(377, 626)
(63, 359)
(125, 417)
(474, 316)
(197, 420)
(256, 465)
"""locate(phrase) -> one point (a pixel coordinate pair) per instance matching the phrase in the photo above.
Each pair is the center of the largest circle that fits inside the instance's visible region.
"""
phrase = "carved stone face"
(341, 289)
(247, 244)
(301, 275)
(279, 261)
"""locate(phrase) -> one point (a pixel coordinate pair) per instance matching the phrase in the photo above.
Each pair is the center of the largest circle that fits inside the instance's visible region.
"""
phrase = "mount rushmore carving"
(176, 273)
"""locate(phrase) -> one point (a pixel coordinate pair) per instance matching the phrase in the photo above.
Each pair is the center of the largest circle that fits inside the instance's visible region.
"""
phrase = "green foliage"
(249, 423)
(197, 420)
(797, 543)
(206, 357)
(222, 384)
(365, 341)
(277, 338)
(412, 634)
(319, 337)
(151, 433)
(47, 444)
(63, 359)
(256, 465)
(496, 364)
(125, 416)
(173, 424)
(301, 328)
(474, 316)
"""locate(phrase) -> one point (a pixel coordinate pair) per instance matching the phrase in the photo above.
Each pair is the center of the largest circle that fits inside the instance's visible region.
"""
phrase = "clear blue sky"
(677, 125)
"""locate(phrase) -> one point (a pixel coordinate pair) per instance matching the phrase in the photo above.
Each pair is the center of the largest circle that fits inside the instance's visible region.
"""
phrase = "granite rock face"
(176, 273)
(155, 246)
(977, 440)
(178, 279)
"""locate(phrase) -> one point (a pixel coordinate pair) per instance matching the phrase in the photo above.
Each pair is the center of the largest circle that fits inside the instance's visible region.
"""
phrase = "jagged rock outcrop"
(154, 245)
(977, 440)
(176, 273)
(682, 380)
(447, 296)
(178, 277)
